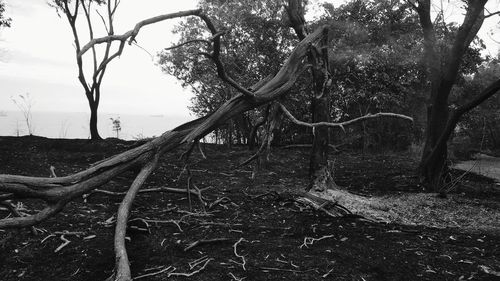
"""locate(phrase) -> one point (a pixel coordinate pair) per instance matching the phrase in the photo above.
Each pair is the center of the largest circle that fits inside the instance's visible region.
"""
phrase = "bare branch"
(208, 42)
(492, 14)
(345, 123)
(122, 268)
(131, 34)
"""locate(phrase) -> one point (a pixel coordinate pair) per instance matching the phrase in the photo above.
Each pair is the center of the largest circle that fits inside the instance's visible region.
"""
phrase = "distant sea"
(76, 125)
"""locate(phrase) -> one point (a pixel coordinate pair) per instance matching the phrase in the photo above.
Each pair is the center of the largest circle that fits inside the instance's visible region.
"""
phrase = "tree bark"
(319, 172)
(442, 72)
(94, 132)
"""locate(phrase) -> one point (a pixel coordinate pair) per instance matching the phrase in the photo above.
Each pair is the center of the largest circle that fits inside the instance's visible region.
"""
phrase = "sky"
(37, 57)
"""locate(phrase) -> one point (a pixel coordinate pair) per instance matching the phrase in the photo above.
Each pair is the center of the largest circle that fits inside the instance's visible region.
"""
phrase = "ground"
(429, 238)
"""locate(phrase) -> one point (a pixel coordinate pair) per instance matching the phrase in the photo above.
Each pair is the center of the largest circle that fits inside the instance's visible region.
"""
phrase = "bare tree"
(91, 83)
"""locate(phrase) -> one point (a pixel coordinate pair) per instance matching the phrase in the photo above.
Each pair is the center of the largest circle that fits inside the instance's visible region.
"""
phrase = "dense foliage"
(4, 21)
(480, 129)
(376, 52)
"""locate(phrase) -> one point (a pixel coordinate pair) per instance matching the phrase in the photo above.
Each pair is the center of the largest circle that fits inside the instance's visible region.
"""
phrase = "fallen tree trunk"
(57, 192)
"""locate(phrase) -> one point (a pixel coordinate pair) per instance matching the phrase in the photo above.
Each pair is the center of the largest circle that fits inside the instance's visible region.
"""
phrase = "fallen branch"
(208, 241)
(16, 213)
(243, 261)
(148, 190)
(309, 241)
(64, 244)
(287, 270)
(122, 270)
(191, 273)
(153, 273)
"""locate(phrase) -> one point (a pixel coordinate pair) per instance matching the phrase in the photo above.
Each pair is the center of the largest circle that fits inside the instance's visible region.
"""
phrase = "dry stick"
(202, 202)
(257, 154)
(243, 261)
(191, 273)
(165, 221)
(236, 278)
(287, 270)
(16, 213)
(308, 241)
(201, 151)
(153, 273)
(122, 268)
(189, 188)
(64, 244)
(197, 262)
(200, 242)
(218, 201)
(148, 190)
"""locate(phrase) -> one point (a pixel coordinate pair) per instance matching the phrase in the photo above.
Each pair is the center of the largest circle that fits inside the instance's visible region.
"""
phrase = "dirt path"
(484, 165)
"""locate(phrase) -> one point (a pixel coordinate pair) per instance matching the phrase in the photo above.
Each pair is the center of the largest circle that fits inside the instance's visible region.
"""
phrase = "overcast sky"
(37, 56)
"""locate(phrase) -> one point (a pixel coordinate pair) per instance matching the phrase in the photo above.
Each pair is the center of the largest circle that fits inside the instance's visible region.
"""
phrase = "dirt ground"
(482, 164)
(261, 232)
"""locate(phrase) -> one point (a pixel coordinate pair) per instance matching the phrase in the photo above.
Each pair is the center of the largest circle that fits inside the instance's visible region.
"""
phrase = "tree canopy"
(4, 21)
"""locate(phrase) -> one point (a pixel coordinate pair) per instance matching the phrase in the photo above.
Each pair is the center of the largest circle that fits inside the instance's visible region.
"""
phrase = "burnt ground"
(261, 211)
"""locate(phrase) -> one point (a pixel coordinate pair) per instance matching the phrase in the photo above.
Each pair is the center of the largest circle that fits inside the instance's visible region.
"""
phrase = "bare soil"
(272, 229)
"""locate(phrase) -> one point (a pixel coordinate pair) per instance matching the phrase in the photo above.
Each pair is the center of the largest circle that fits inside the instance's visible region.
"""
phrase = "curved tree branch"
(131, 34)
(122, 267)
(345, 123)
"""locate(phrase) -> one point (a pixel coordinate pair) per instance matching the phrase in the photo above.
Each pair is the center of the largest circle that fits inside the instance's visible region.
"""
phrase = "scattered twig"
(243, 261)
(200, 198)
(64, 244)
(309, 241)
(197, 262)
(287, 270)
(53, 172)
(177, 223)
(236, 278)
(15, 212)
(153, 273)
(200, 242)
(328, 273)
(201, 150)
(48, 236)
(272, 193)
(147, 190)
(191, 273)
(219, 201)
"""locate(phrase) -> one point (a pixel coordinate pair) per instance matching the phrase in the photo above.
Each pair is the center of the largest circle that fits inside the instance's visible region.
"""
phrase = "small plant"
(117, 125)
(25, 104)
